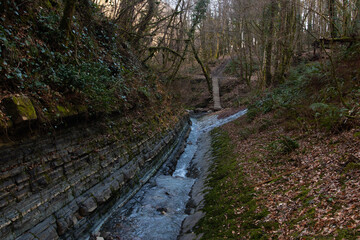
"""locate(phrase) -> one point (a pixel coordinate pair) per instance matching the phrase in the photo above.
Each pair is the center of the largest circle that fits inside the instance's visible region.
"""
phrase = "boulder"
(19, 108)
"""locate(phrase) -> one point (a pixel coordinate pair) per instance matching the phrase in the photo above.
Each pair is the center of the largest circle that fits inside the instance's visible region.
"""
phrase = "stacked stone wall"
(62, 185)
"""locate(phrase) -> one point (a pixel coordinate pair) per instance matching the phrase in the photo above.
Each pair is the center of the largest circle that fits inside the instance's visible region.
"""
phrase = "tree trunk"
(85, 6)
(203, 68)
(310, 28)
(357, 19)
(249, 42)
(269, 44)
(332, 15)
(144, 23)
(217, 52)
(198, 16)
(346, 18)
(66, 21)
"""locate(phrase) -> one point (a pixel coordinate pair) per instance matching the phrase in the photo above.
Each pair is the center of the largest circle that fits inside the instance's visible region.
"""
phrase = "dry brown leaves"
(310, 192)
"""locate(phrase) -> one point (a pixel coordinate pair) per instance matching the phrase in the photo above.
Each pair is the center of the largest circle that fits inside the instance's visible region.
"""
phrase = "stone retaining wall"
(63, 185)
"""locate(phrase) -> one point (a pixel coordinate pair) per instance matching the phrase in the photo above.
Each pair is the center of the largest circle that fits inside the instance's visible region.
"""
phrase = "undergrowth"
(309, 99)
(93, 71)
(91, 67)
(266, 148)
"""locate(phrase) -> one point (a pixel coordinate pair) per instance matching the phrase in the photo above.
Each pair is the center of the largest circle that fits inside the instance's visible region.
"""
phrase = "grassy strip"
(231, 210)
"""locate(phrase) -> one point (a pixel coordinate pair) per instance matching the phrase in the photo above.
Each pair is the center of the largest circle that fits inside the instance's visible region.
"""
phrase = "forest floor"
(310, 192)
(274, 179)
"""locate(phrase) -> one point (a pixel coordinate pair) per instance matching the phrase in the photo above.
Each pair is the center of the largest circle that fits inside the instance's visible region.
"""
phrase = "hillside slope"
(48, 76)
(291, 168)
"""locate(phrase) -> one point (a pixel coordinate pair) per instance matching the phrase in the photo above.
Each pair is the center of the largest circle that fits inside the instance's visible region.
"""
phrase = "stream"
(157, 211)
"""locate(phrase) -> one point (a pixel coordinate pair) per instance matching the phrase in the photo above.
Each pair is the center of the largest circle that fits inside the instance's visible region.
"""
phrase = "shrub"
(284, 145)
(95, 80)
(327, 116)
(264, 124)
(245, 133)
(288, 94)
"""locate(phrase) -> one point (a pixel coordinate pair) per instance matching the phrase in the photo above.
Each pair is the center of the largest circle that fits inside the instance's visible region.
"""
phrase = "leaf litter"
(311, 192)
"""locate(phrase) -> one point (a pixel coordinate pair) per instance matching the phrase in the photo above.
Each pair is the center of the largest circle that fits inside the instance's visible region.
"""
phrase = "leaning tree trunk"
(203, 68)
(143, 25)
(198, 16)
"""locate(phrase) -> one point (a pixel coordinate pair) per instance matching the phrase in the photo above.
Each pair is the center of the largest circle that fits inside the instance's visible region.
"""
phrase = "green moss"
(49, 115)
(309, 216)
(4, 124)
(24, 107)
(231, 210)
(350, 234)
(48, 4)
(254, 159)
(271, 225)
(65, 111)
(257, 234)
(303, 194)
(352, 166)
(265, 124)
(47, 178)
(245, 133)
(81, 108)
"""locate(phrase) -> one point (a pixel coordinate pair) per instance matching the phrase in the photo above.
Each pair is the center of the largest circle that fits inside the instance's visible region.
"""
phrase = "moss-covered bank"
(231, 210)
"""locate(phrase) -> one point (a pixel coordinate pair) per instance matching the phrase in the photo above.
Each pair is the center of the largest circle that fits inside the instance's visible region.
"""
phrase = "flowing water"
(157, 210)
